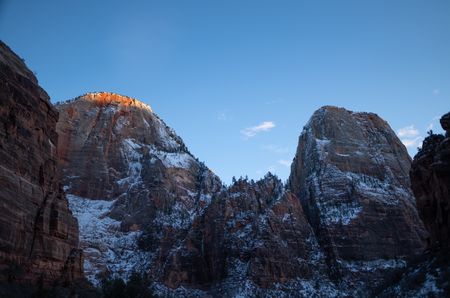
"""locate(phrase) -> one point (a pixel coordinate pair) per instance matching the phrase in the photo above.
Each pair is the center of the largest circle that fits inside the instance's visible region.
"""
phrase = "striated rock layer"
(38, 234)
(351, 174)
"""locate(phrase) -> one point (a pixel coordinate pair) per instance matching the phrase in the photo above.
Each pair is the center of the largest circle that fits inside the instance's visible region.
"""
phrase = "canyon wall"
(38, 233)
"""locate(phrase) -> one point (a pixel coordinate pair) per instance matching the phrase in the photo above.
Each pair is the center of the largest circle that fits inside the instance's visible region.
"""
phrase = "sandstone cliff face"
(430, 178)
(126, 172)
(38, 234)
(351, 175)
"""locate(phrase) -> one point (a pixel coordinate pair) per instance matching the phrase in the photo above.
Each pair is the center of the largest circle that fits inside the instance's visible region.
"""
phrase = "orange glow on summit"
(107, 98)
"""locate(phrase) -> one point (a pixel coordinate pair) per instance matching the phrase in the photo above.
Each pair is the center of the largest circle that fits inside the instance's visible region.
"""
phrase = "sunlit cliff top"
(107, 98)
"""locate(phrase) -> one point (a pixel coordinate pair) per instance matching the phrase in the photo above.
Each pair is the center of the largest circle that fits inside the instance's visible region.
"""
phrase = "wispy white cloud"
(250, 132)
(410, 136)
(284, 162)
(408, 132)
(412, 143)
(276, 149)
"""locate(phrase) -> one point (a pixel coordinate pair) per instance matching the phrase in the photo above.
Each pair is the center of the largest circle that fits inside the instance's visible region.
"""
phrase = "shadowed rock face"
(351, 174)
(429, 275)
(430, 178)
(38, 234)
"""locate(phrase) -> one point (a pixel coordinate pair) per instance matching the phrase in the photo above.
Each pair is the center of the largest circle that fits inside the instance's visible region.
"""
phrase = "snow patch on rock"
(174, 160)
(132, 154)
(106, 248)
(369, 266)
(133, 159)
(162, 130)
(342, 213)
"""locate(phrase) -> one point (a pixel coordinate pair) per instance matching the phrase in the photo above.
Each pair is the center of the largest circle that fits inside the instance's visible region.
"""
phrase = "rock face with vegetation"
(38, 233)
(351, 174)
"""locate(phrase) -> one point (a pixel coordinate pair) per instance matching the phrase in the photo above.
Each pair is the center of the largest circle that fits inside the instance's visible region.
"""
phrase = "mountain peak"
(341, 110)
(109, 98)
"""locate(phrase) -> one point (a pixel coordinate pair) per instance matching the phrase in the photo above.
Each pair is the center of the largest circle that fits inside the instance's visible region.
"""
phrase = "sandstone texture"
(351, 174)
(38, 233)
(127, 173)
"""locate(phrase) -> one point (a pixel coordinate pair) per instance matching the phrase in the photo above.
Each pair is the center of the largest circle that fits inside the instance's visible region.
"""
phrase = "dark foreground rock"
(430, 178)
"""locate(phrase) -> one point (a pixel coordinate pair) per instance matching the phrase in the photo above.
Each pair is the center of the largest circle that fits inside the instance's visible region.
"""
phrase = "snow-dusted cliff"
(351, 174)
(131, 181)
(347, 223)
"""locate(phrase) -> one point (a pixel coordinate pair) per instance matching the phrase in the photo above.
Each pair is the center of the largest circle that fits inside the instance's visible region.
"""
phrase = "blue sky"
(238, 80)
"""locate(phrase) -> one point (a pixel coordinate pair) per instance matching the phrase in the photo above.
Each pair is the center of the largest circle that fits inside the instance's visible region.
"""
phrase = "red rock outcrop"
(351, 173)
(38, 234)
